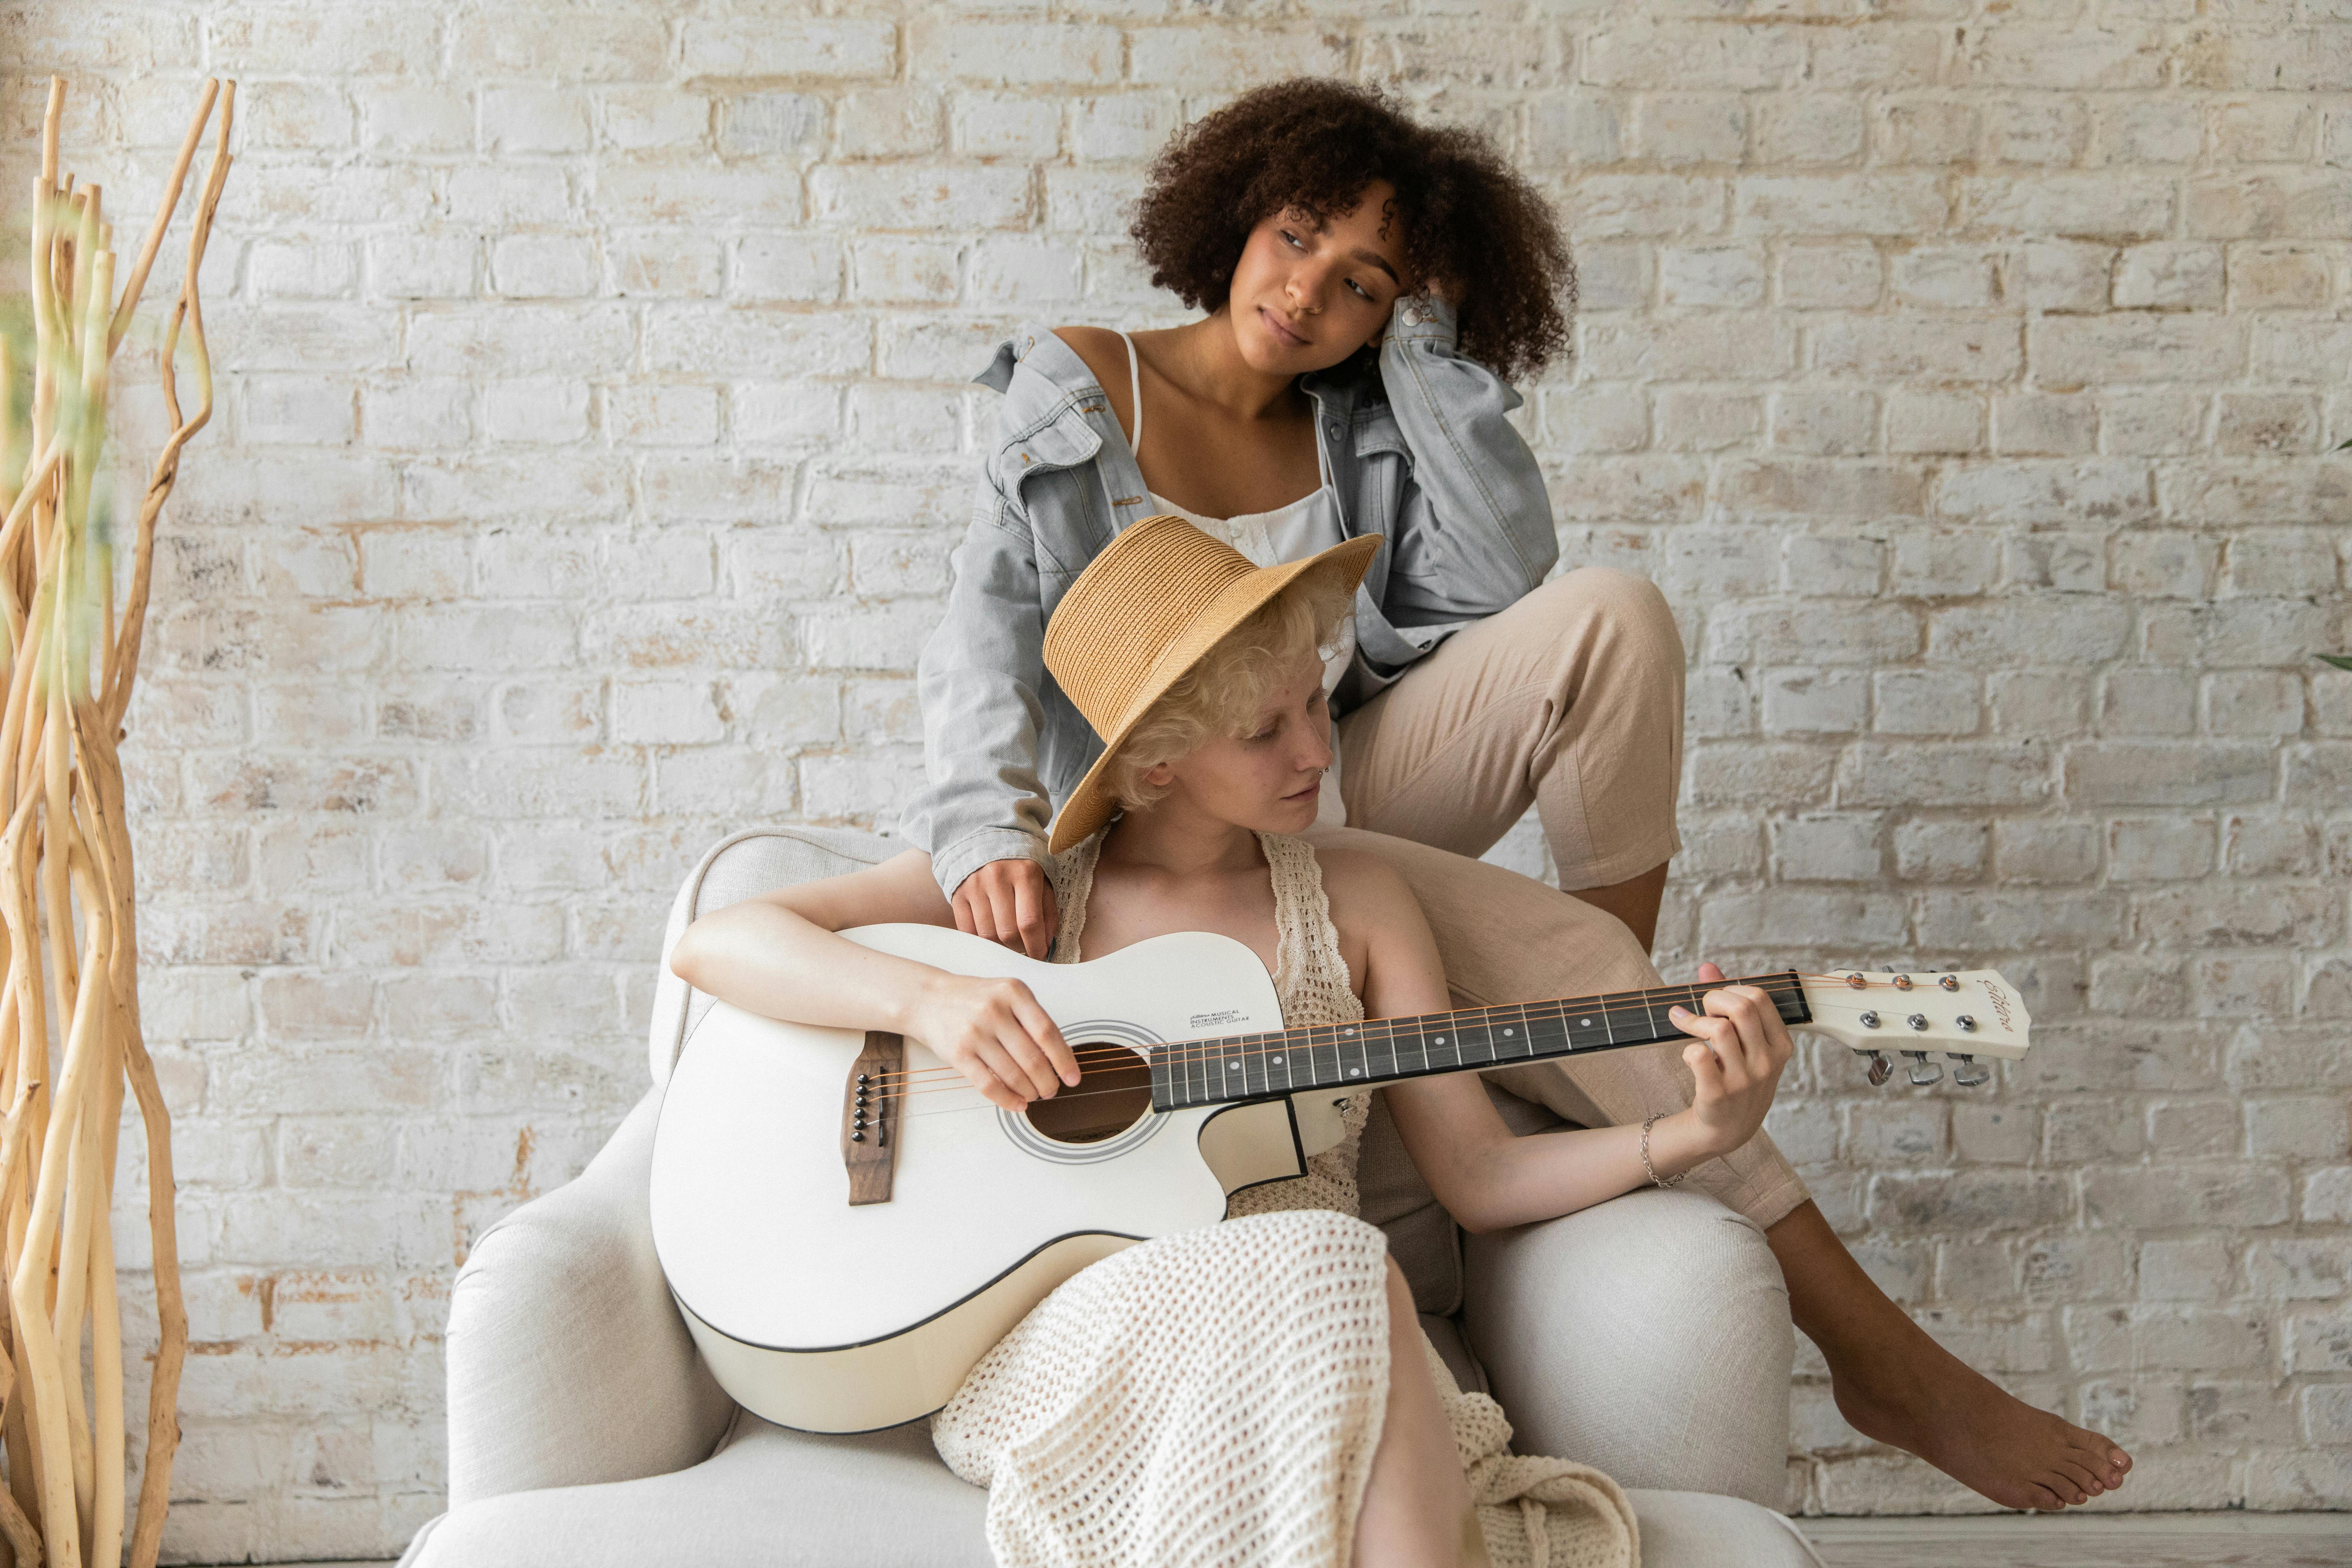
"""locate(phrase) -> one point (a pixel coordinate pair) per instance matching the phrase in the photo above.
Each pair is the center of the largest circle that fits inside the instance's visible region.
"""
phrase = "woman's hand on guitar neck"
(993, 1032)
(1738, 1059)
(1008, 901)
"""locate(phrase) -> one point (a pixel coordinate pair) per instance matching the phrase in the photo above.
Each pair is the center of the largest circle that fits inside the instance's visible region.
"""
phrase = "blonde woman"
(1263, 1387)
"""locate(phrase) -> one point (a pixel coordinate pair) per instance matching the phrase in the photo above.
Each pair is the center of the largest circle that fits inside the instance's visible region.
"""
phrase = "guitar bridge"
(869, 1117)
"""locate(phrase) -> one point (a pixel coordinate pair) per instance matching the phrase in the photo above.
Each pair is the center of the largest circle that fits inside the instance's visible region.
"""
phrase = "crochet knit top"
(1310, 980)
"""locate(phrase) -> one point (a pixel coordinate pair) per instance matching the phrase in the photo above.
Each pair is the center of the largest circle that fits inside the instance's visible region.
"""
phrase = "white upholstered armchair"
(1648, 1336)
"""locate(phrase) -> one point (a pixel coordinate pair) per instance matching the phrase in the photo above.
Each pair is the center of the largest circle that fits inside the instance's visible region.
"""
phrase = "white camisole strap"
(1134, 395)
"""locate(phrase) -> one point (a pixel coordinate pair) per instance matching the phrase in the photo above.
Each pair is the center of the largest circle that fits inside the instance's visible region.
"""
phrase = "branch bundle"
(69, 1036)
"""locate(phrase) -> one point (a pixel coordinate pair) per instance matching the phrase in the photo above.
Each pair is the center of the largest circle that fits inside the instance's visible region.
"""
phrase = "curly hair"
(1470, 223)
(1223, 692)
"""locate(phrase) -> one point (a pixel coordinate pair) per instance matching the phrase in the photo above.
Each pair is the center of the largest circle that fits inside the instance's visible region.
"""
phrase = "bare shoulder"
(1104, 355)
(1362, 888)
(1389, 948)
(1100, 347)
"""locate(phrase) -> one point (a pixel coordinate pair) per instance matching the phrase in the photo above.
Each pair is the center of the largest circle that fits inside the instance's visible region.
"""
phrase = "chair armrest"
(568, 1362)
(1648, 1336)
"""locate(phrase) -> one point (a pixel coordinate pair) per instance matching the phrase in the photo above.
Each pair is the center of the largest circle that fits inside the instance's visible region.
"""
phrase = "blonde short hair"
(1223, 693)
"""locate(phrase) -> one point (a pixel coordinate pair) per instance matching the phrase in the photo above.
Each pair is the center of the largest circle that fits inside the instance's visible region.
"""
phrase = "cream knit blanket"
(1213, 1400)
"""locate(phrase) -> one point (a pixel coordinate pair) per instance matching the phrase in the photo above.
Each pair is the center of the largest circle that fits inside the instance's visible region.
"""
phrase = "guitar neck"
(1239, 1067)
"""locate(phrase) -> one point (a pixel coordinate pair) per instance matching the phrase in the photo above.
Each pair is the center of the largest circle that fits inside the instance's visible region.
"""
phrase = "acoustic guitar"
(848, 1227)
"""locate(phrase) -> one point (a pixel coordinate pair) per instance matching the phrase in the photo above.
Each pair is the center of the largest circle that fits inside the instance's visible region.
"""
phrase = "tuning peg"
(1881, 1069)
(1968, 1073)
(1950, 981)
(1923, 1071)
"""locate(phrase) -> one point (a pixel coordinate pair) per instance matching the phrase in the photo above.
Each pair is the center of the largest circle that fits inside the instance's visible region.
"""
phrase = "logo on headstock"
(2000, 1000)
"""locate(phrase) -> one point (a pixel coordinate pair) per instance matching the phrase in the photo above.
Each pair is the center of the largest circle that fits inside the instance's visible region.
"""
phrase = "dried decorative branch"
(70, 1045)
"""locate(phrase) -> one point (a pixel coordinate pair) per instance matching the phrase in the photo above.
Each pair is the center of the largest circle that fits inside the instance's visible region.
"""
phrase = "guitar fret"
(1546, 1034)
(1472, 1046)
(1514, 1042)
(1631, 1022)
(1437, 1044)
(1345, 1056)
(1589, 1022)
(1348, 1062)
(1406, 1049)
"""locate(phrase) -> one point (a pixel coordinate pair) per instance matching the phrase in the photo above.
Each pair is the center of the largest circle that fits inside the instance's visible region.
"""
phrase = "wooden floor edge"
(1996, 1526)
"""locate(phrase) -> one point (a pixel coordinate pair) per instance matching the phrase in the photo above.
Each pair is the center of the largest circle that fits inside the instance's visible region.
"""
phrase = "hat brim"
(1091, 805)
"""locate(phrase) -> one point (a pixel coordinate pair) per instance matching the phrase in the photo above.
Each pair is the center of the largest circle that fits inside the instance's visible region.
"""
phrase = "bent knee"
(1722, 1268)
(1688, 1255)
(1601, 602)
(1604, 591)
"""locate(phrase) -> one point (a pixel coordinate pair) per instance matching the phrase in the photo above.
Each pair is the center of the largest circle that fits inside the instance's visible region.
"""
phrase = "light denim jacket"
(1423, 458)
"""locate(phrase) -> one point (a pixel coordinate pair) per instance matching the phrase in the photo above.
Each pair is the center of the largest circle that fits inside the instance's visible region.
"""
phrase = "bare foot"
(1894, 1383)
(1960, 1422)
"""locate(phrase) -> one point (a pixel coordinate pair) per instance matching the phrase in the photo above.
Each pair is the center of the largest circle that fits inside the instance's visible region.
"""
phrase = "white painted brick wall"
(596, 421)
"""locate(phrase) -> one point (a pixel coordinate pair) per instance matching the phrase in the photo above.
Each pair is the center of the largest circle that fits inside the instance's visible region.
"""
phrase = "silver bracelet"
(1646, 1168)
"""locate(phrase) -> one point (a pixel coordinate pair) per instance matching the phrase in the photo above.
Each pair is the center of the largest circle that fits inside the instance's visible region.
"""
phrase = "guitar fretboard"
(1382, 1050)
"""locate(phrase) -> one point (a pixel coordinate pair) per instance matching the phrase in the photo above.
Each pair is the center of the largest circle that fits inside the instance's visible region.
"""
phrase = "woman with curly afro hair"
(1369, 289)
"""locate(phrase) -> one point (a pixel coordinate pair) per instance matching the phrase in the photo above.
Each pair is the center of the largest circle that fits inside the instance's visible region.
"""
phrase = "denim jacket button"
(1334, 428)
(1412, 318)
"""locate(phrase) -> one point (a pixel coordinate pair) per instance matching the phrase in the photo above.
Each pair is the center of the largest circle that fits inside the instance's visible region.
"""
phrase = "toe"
(2081, 1476)
(2106, 1463)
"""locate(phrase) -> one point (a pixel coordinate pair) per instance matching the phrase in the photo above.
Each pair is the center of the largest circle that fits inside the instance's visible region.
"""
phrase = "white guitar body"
(749, 1190)
(848, 1229)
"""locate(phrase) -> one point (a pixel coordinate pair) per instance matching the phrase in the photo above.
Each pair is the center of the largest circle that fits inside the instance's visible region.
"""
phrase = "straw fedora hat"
(1147, 609)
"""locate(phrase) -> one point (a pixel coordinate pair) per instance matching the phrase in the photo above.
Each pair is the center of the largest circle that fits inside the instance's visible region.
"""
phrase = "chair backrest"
(737, 869)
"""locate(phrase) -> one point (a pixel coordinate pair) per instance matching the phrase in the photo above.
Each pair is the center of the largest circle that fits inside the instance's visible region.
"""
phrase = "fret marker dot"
(1441, 1039)
(1237, 1066)
(1584, 1022)
(1355, 1072)
(1509, 1033)
(1277, 1061)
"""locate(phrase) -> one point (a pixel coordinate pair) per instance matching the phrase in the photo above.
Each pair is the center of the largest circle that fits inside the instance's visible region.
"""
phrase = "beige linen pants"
(1570, 699)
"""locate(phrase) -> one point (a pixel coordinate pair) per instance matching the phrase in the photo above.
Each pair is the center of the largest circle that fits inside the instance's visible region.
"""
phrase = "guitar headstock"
(1965, 1014)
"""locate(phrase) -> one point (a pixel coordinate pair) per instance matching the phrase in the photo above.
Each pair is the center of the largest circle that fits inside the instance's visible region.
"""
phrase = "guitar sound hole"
(1113, 1093)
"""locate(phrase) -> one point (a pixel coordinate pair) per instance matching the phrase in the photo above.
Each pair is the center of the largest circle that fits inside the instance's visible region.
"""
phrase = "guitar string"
(1140, 1090)
(1334, 1035)
(1270, 1095)
(1186, 1052)
(955, 1080)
